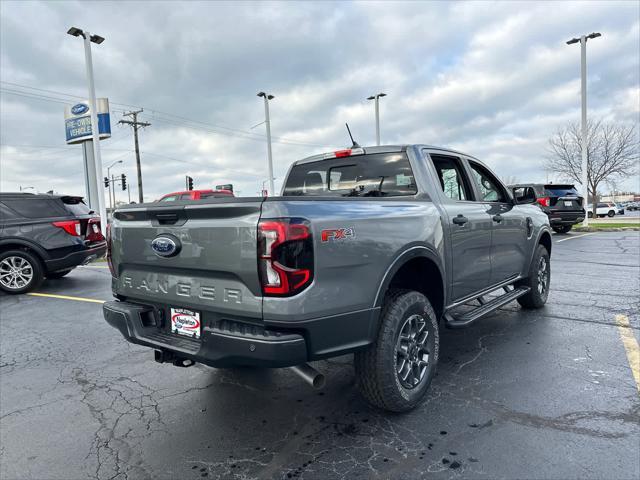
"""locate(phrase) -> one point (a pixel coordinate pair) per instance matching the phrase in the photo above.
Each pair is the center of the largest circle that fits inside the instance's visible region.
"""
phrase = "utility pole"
(583, 88)
(267, 121)
(136, 124)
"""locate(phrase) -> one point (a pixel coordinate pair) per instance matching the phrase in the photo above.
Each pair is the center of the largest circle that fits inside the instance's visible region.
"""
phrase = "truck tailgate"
(215, 269)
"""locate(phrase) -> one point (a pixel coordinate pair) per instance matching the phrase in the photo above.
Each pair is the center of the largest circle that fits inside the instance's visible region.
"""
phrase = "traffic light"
(123, 181)
(189, 183)
(106, 182)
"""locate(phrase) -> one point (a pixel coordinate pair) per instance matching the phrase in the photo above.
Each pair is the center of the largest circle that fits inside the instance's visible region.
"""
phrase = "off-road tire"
(563, 229)
(536, 298)
(59, 274)
(37, 271)
(375, 367)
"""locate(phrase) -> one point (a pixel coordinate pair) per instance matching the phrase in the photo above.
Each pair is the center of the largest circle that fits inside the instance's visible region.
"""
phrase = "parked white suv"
(603, 209)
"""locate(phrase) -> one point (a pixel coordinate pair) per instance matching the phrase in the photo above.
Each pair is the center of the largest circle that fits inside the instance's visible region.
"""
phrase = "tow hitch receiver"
(162, 356)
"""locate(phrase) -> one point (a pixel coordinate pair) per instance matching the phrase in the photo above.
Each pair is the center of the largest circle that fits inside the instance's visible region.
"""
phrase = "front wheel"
(538, 280)
(395, 372)
(590, 214)
(611, 213)
(20, 271)
(562, 229)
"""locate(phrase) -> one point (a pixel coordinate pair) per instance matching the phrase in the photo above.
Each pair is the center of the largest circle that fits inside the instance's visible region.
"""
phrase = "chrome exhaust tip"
(309, 375)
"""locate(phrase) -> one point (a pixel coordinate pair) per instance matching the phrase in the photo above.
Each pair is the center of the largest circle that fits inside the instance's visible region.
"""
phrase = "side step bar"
(484, 308)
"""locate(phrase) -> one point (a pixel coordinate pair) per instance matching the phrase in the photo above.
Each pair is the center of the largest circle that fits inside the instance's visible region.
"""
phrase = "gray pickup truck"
(367, 251)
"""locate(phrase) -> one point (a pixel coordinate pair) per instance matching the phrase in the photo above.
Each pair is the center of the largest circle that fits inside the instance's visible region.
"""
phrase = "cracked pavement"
(519, 394)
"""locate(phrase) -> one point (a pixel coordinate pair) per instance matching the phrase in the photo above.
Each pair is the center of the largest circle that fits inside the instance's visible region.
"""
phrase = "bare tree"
(612, 152)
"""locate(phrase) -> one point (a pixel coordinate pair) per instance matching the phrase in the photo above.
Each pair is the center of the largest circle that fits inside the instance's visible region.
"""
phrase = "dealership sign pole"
(78, 122)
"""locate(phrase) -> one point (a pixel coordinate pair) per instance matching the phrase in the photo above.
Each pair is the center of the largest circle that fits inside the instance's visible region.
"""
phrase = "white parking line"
(575, 236)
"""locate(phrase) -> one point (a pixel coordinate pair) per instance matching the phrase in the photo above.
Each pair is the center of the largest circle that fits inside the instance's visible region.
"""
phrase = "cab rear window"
(374, 175)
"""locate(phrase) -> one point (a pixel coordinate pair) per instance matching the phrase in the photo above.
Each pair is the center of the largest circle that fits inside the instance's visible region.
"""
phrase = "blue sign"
(79, 109)
(77, 121)
(79, 128)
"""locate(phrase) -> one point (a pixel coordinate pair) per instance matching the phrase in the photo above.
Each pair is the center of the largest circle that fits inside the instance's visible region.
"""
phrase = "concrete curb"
(608, 229)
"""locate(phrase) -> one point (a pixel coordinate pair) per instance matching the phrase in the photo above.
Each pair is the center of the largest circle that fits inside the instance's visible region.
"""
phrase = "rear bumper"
(565, 218)
(81, 257)
(225, 344)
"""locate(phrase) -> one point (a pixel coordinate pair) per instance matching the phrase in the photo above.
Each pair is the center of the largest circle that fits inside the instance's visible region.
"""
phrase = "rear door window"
(170, 198)
(453, 181)
(374, 175)
(37, 207)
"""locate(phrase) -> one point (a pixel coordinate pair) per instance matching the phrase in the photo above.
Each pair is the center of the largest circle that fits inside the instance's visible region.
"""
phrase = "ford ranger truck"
(369, 251)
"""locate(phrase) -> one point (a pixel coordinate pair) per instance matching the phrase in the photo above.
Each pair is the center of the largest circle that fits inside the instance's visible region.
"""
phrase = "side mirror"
(524, 195)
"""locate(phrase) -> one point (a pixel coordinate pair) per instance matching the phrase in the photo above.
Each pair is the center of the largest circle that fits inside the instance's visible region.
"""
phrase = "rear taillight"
(72, 227)
(109, 260)
(285, 256)
(544, 201)
(93, 231)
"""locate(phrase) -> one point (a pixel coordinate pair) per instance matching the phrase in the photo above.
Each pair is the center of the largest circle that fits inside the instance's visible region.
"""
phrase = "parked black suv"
(562, 203)
(44, 236)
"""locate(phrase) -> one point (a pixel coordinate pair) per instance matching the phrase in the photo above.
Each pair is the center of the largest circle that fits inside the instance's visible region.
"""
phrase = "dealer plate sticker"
(185, 322)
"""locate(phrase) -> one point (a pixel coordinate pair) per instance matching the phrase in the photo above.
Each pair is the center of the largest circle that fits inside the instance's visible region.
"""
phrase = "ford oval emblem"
(165, 246)
(79, 109)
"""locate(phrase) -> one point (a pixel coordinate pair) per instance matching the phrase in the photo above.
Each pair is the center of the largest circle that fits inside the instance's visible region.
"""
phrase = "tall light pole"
(267, 122)
(111, 188)
(97, 39)
(377, 101)
(583, 88)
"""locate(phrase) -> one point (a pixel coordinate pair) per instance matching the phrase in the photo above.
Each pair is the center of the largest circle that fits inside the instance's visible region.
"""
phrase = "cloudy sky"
(493, 79)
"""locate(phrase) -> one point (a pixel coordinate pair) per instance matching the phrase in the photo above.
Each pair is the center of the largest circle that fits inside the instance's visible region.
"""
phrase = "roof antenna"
(354, 144)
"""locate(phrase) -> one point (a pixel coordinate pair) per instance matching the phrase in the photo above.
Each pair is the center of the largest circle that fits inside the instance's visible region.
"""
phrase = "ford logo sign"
(79, 109)
(165, 246)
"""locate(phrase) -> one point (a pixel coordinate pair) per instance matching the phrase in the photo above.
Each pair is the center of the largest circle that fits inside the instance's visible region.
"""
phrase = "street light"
(97, 39)
(377, 98)
(583, 70)
(267, 122)
(112, 202)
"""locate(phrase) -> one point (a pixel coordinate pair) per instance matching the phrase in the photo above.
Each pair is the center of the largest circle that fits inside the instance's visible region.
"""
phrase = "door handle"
(497, 218)
(460, 220)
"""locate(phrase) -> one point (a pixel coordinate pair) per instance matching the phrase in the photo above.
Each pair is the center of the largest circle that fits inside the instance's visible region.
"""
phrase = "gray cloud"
(493, 79)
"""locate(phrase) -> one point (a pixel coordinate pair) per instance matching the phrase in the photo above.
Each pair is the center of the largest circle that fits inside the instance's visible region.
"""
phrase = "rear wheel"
(395, 372)
(590, 214)
(20, 271)
(59, 274)
(562, 229)
(538, 280)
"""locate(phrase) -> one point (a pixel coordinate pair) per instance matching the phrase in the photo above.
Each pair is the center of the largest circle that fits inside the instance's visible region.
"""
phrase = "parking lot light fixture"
(267, 122)
(377, 101)
(97, 39)
(583, 89)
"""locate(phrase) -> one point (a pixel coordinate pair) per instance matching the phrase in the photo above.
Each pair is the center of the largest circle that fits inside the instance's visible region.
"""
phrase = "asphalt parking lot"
(520, 394)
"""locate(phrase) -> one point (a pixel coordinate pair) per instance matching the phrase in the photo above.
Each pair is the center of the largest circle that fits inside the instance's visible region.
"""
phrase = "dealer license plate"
(185, 322)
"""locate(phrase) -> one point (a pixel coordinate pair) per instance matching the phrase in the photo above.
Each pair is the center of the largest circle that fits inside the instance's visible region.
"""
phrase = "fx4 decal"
(338, 234)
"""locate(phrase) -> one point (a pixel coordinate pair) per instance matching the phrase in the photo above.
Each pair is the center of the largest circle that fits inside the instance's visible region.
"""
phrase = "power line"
(178, 120)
